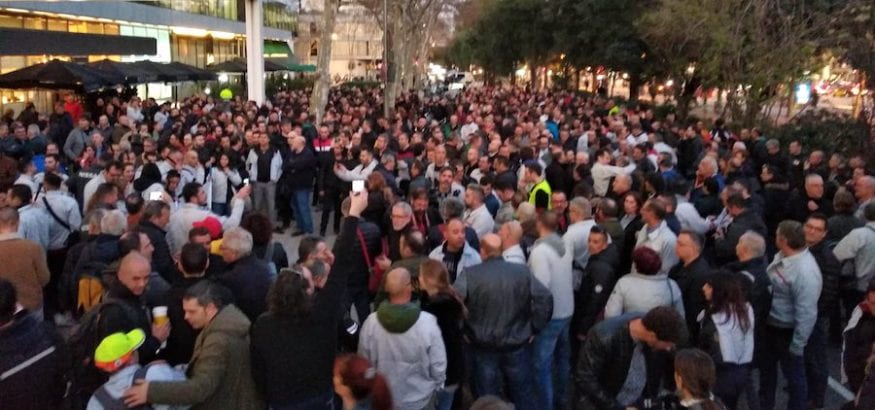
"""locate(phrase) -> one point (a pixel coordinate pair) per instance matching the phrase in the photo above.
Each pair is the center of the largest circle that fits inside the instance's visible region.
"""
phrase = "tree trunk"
(634, 86)
(533, 74)
(319, 98)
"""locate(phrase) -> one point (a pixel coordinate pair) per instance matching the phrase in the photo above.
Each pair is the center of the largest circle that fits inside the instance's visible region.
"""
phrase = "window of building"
(314, 48)
(57, 25)
(10, 21)
(35, 23)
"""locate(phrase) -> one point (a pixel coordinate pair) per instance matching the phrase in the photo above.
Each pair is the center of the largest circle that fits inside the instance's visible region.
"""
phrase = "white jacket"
(414, 362)
(551, 265)
(276, 165)
(182, 219)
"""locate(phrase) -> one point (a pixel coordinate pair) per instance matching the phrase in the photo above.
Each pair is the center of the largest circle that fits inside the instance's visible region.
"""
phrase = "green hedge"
(826, 131)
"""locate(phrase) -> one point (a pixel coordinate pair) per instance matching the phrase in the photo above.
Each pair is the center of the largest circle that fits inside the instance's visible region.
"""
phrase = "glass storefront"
(280, 14)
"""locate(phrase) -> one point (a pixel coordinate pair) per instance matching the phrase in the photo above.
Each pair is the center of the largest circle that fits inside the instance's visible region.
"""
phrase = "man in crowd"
(796, 286)
(31, 357)
(399, 334)
(500, 326)
(455, 252)
(247, 276)
(691, 274)
(622, 361)
(24, 264)
(858, 247)
(510, 235)
(34, 223)
(219, 375)
(477, 216)
(193, 211)
(264, 164)
(300, 166)
(192, 263)
(656, 235)
(551, 265)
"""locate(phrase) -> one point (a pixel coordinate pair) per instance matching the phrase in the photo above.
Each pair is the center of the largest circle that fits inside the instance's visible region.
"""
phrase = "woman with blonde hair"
(442, 301)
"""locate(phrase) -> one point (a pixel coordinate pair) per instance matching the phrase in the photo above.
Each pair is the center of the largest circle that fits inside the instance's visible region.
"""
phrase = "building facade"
(194, 32)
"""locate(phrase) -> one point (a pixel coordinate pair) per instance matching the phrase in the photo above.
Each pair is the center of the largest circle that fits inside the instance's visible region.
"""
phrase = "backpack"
(89, 288)
(84, 338)
(111, 403)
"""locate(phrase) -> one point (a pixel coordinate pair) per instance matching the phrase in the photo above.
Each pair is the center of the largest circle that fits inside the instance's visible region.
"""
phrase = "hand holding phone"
(358, 185)
(245, 181)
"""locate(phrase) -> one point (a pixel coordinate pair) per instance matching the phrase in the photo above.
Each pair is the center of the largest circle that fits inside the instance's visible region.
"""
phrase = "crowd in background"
(546, 249)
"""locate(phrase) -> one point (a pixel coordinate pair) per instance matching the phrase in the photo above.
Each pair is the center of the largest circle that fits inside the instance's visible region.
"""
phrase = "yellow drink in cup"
(159, 315)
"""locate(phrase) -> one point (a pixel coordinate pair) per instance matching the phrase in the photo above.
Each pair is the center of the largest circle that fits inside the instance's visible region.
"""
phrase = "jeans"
(264, 199)
(551, 357)
(732, 381)
(777, 351)
(301, 205)
(816, 366)
(220, 209)
(444, 397)
(493, 366)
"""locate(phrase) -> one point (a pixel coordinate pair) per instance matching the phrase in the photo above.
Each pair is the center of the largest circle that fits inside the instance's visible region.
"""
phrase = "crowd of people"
(499, 247)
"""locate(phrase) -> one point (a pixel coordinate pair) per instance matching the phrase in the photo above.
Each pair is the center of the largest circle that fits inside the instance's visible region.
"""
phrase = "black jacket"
(599, 279)
(506, 304)
(830, 270)
(248, 278)
(180, 343)
(747, 220)
(798, 206)
(776, 197)
(370, 232)
(300, 169)
(125, 313)
(690, 280)
(858, 346)
(629, 238)
(450, 315)
(292, 359)
(604, 363)
(162, 261)
(40, 385)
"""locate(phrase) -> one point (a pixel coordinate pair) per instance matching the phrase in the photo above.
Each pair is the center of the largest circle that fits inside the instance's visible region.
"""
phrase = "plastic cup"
(159, 315)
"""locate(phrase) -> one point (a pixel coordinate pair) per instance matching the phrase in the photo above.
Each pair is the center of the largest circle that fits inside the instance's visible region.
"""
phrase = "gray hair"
(525, 212)
(581, 205)
(238, 240)
(404, 206)
(451, 208)
(754, 243)
(114, 223)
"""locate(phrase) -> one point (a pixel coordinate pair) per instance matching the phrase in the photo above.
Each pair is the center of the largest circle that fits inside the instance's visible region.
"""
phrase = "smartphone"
(155, 196)
(245, 181)
(358, 185)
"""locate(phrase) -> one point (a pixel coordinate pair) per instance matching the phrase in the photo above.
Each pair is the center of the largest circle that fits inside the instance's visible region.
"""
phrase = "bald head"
(397, 285)
(510, 234)
(490, 246)
(133, 272)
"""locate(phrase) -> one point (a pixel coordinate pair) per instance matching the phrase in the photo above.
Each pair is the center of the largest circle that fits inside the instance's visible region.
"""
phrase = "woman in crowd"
(263, 247)
(631, 223)
(694, 377)
(727, 335)
(224, 177)
(149, 181)
(380, 198)
(446, 305)
(644, 289)
(105, 197)
(359, 386)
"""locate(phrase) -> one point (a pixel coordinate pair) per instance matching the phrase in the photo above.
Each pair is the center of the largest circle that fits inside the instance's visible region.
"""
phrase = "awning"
(175, 72)
(238, 65)
(277, 49)
(61, 75)
(60, 43)
(131, 73)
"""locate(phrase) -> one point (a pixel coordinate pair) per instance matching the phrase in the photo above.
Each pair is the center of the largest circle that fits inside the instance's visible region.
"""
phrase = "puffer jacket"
(41, 384)
(604, 363)
(598, 283)
(857, 346)
(506, 304)
(219, 375)
(830, 270)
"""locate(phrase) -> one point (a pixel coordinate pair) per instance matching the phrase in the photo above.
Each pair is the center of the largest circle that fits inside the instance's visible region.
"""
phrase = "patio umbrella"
(57, 75)
(194, 73)
(131, 73)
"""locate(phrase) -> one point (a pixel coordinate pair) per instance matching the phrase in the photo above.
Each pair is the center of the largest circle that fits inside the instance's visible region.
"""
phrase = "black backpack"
(85, 378)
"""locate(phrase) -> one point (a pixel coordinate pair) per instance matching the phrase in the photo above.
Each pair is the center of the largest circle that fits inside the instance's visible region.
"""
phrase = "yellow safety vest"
(542, 186)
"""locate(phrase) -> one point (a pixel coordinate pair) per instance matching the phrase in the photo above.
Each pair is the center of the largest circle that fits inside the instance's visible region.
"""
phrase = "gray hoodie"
(551, 265)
